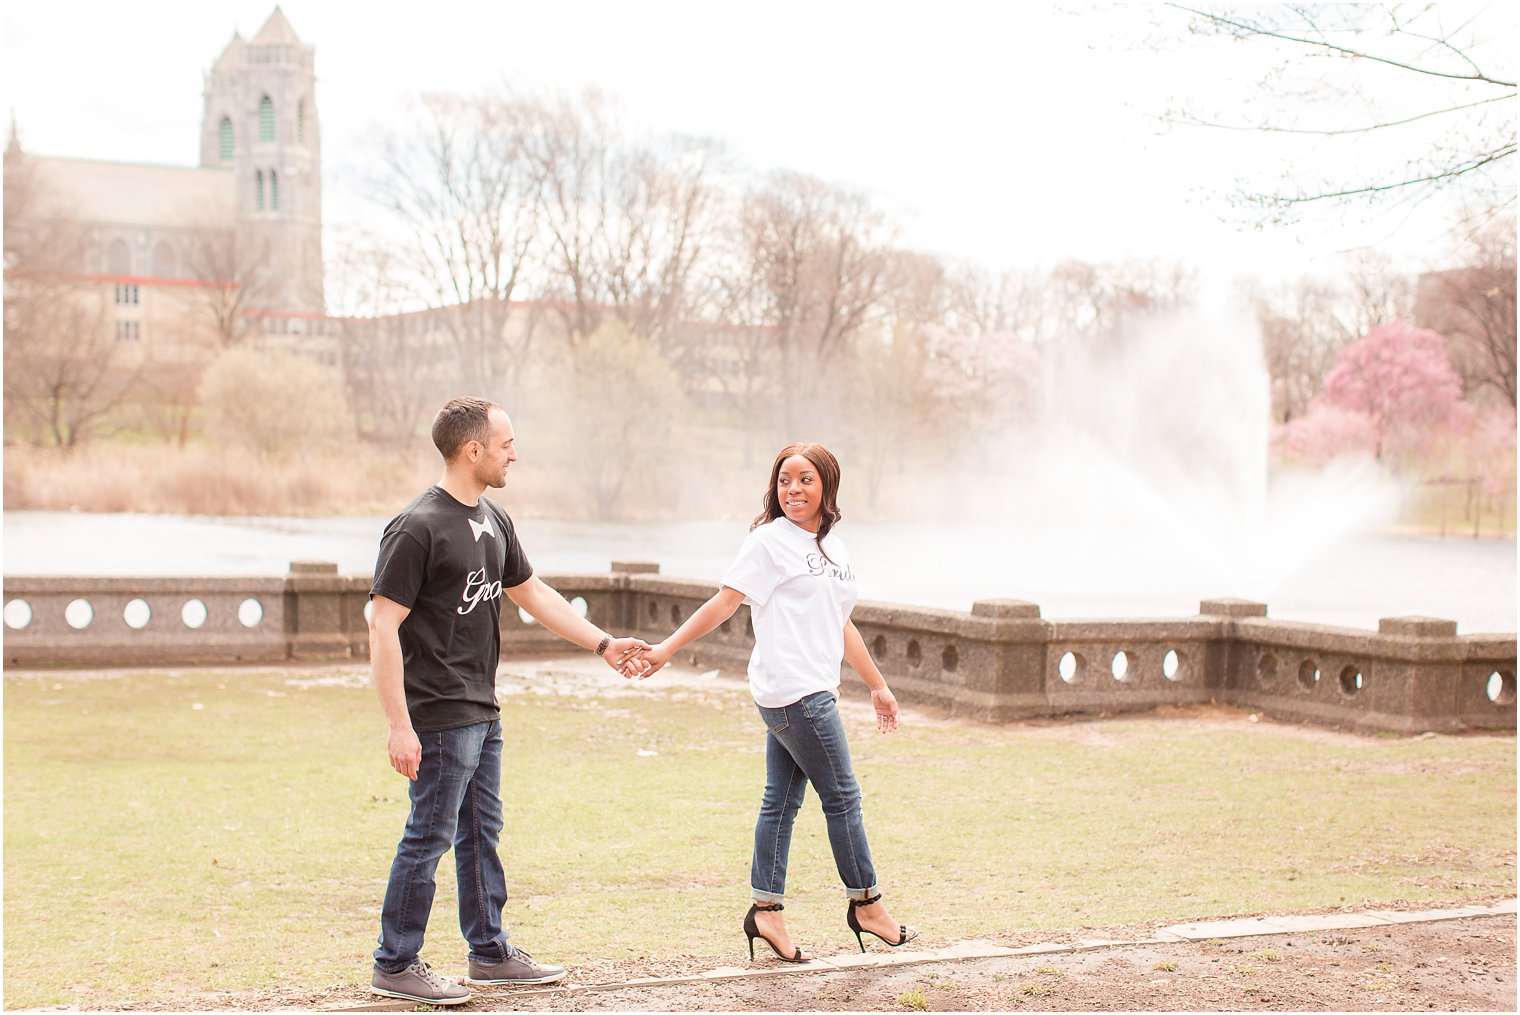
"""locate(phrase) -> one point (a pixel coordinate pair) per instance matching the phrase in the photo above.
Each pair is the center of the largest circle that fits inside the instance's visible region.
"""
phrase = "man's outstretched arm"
(550, 609)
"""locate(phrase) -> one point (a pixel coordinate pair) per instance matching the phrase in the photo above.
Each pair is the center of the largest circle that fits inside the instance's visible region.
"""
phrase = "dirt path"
(1449, 966)
(1465, 964)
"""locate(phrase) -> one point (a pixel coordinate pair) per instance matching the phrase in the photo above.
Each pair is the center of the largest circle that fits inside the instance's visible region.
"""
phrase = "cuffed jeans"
(806, 744)
(456, 800)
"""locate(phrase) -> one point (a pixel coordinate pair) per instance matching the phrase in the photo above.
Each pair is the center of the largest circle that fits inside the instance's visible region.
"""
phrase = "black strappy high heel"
(904, 932)
(752, 932)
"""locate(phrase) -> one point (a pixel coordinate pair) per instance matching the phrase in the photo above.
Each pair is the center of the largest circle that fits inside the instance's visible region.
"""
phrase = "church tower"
(260, 124)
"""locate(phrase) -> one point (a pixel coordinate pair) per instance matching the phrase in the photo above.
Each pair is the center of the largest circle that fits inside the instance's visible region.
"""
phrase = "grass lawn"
(232, 829)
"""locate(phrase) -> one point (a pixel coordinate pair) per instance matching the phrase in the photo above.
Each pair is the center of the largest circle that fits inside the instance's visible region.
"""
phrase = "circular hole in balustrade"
(580, 605)
(879, 646)
(1351, 680)
(137, 613)
(1500, 687)
(915, 654)
(949, 659)
(654, 611)
(18, 614)
(250, 612)
(1308, 674)
(525, 616)
(1070, 667)
(1266, 669)
(79, 613)
(675, 614)
(1171, 665)
(193, 613)
(1120, 666)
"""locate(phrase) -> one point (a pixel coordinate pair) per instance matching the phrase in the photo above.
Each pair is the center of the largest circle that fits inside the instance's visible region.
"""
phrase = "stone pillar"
(1019, 641)
(314, 611)
(1227, 607)
(1418, 676)
(625, 612)
(1418, 627)
(1228, 667)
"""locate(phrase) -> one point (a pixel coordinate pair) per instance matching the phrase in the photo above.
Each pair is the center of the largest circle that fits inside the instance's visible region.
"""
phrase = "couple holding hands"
(444, 564)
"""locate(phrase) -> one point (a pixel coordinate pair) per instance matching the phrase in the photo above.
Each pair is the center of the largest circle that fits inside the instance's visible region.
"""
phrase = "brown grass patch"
(213, 480)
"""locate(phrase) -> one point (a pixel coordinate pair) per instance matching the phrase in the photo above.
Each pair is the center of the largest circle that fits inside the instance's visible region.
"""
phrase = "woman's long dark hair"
(828, 471)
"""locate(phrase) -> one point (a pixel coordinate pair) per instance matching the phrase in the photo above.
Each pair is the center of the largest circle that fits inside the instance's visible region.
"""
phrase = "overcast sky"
(1006, 136)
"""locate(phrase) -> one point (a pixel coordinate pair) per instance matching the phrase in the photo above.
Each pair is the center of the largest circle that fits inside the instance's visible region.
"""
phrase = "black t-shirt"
(448, 563)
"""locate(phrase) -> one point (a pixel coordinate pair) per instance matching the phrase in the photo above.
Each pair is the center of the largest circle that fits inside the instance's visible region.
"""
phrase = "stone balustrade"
(1000, 661)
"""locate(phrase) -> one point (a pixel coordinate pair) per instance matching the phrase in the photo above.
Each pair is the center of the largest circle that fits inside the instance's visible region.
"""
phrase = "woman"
(796, 577)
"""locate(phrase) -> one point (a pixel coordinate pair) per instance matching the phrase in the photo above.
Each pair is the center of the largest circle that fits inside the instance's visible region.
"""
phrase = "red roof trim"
(152, 280)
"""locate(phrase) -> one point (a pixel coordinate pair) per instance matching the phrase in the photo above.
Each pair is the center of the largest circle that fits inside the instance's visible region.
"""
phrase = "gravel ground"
(1451, 965)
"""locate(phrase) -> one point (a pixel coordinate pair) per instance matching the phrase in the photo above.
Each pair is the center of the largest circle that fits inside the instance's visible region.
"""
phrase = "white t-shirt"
(799, 602)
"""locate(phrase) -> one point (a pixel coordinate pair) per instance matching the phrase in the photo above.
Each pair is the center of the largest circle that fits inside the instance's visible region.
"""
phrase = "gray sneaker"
(419, 983)
(520, 968)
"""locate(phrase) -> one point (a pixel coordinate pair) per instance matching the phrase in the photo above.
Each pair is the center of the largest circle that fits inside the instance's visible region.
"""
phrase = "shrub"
(274, 403)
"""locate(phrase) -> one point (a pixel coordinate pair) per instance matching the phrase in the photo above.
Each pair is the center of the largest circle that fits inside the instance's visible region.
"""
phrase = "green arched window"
(266, 119)
(274, 191)
(301, 122)
(224, 138)
(258, 189)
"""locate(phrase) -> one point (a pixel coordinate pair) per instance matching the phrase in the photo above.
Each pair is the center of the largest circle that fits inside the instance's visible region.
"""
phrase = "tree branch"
(1268, 129)
(1219, 19)
(1452, 173)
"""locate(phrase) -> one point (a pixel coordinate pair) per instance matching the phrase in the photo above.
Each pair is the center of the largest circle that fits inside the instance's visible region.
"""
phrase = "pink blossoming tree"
(1392, 393)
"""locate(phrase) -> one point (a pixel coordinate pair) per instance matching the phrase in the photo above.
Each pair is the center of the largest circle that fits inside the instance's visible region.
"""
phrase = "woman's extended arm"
(706, 618)
(859, 658)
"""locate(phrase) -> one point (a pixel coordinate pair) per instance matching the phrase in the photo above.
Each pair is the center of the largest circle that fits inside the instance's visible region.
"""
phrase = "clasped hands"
(635, 658)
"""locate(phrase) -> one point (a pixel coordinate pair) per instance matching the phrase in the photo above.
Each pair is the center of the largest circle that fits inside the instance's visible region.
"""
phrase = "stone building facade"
(187, 260)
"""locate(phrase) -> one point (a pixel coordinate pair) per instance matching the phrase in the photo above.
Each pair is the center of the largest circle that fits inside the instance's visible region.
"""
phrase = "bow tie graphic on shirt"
(481, 528)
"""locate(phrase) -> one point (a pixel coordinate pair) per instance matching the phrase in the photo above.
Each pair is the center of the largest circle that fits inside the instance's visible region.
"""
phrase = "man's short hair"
(461, 421)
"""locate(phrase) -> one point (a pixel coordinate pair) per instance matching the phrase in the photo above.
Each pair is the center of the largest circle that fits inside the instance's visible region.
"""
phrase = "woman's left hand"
(885, 704)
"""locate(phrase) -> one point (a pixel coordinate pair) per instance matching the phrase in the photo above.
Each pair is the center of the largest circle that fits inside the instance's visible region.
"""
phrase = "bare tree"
(1461, 128)
(64, 375)
(982, 351)
(67, 372)
(818, 261)
(460, 184)
(623, 386)
(168, 391)
(390, 356)
(625, 221)
(659, 233)
(724, 349)
(1093, 302)
(385, 371)
(917, 290)
(234, 275)
(1377, 293)
(1474, 307)
(888, 405)
(1303, 329)
(1012, 302)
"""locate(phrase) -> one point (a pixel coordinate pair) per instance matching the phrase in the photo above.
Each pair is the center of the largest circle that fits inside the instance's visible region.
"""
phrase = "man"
(444, 563)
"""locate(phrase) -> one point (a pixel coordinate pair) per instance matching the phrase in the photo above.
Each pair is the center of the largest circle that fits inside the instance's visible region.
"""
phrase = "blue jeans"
(456, 800)
(806, 744)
